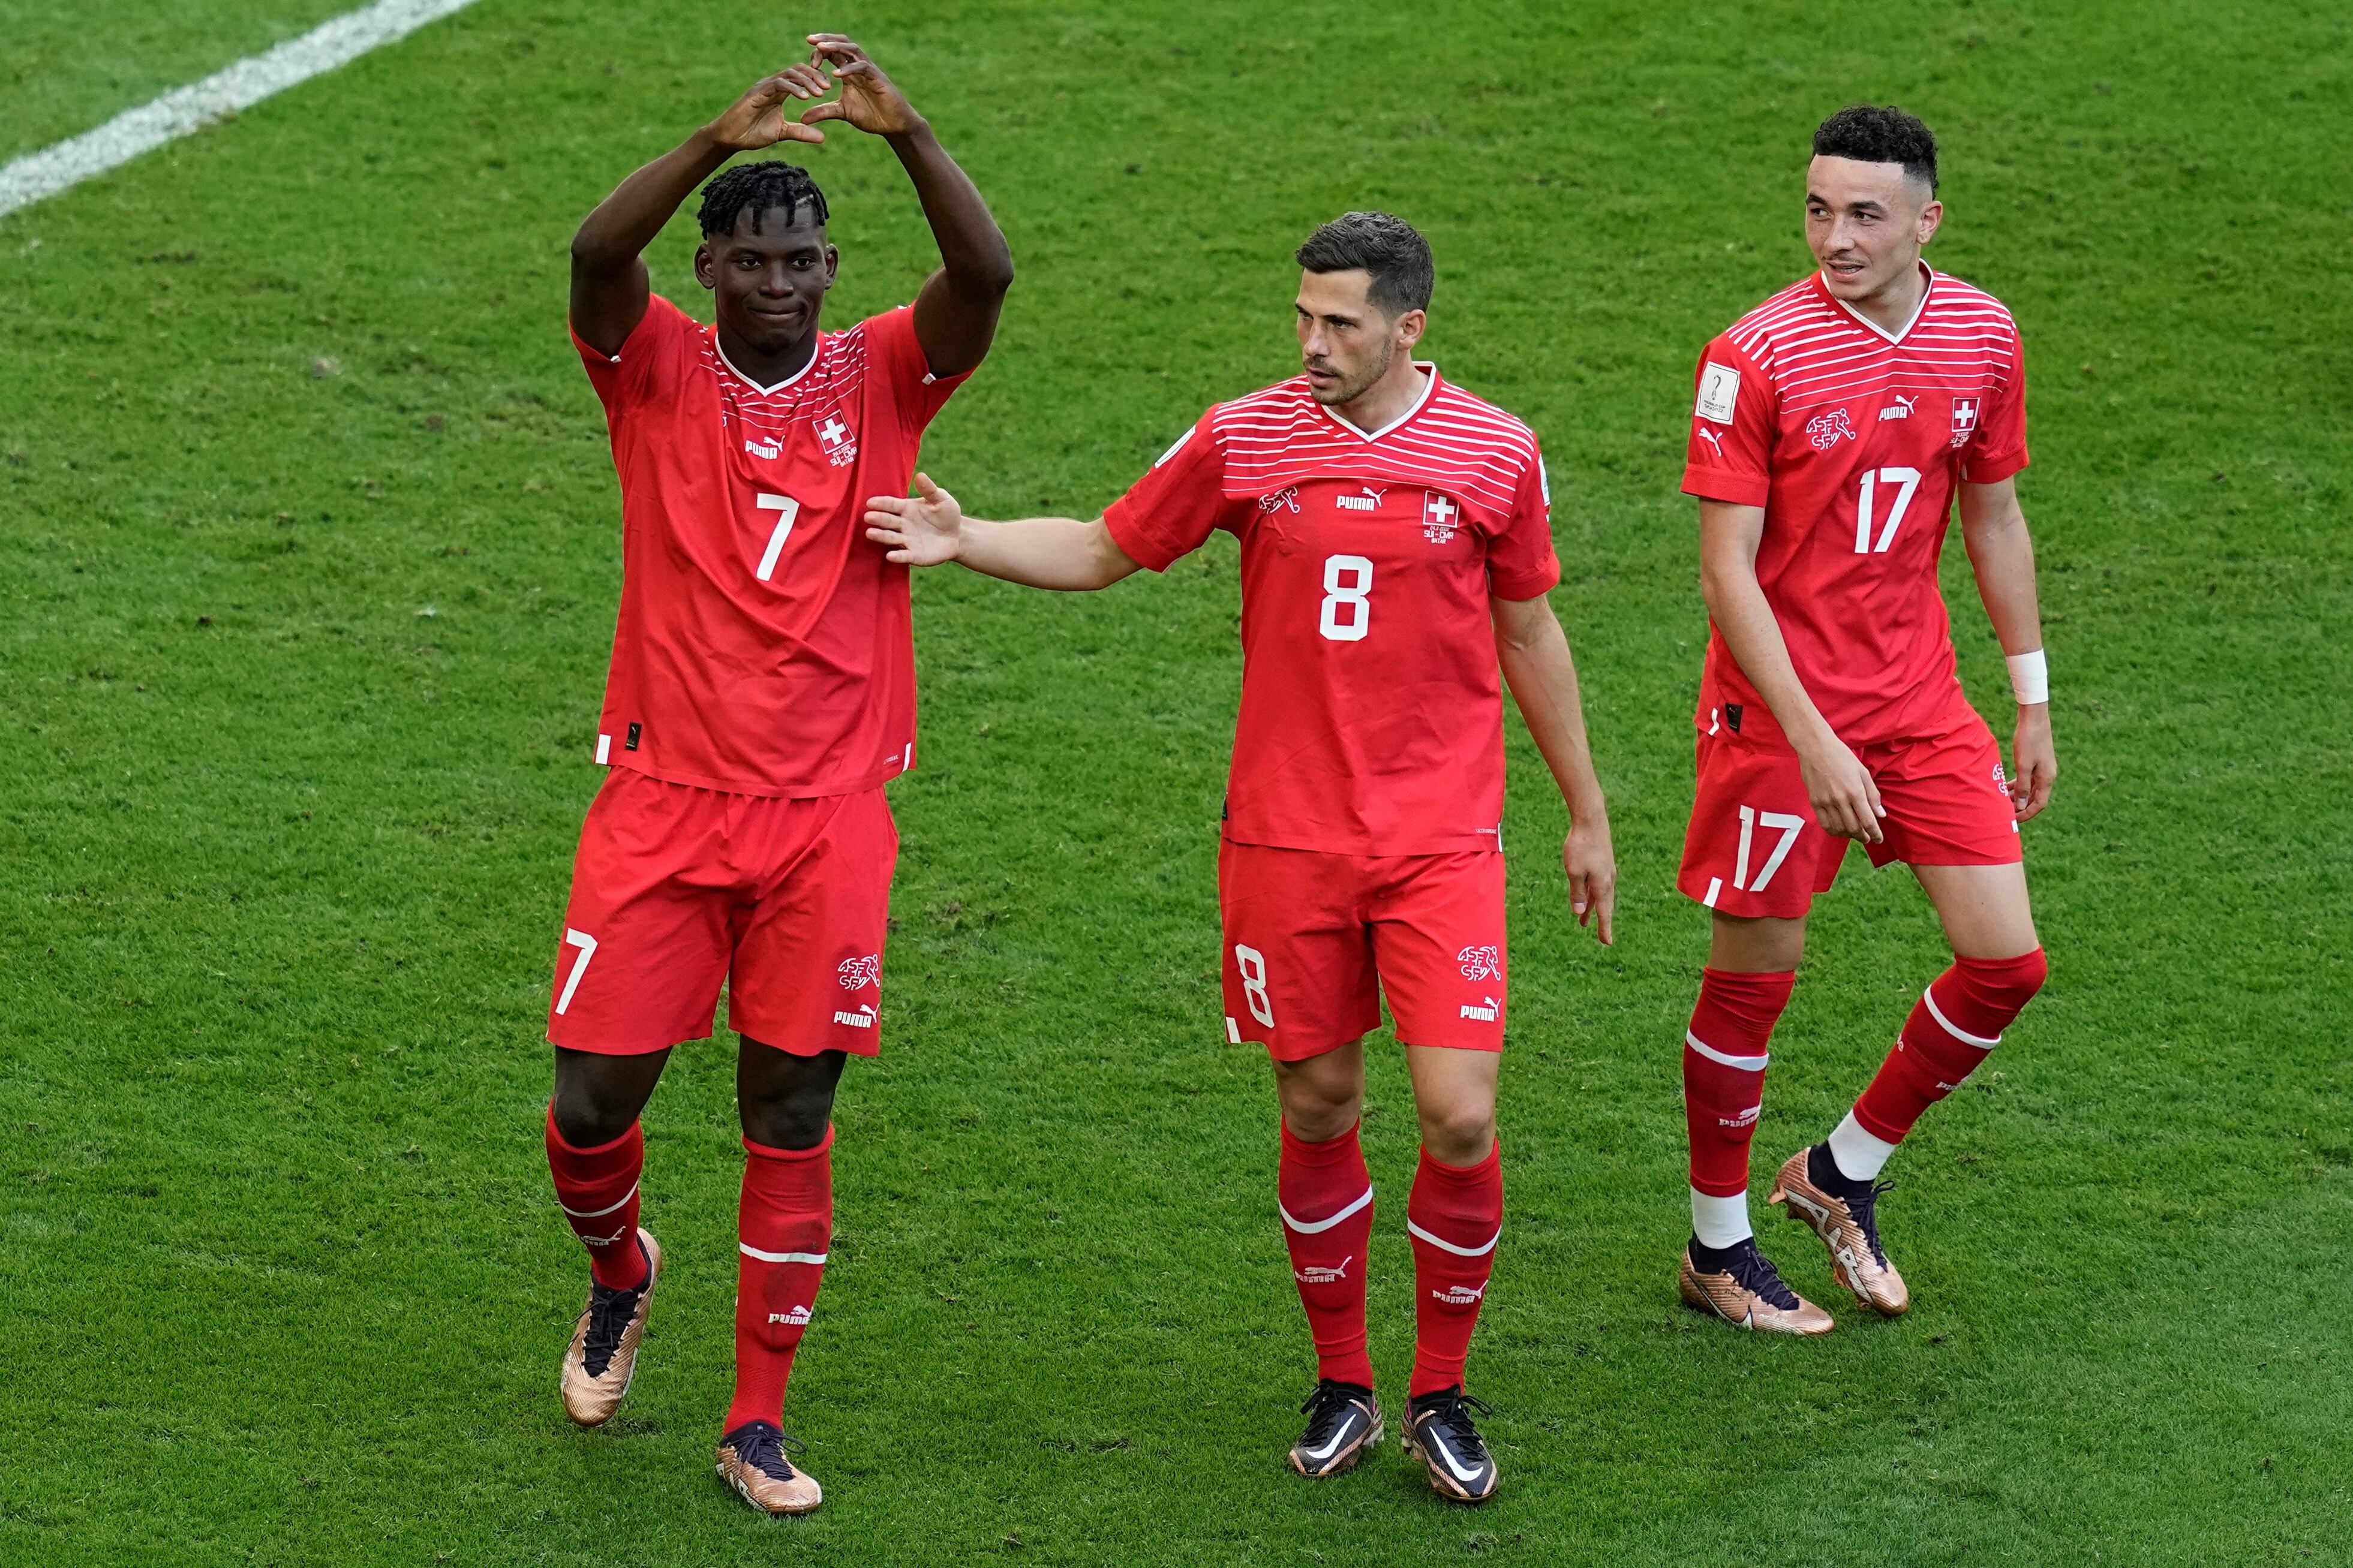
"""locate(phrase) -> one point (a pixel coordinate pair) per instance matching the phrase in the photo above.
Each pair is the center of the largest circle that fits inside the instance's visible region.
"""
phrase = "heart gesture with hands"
(869, 100)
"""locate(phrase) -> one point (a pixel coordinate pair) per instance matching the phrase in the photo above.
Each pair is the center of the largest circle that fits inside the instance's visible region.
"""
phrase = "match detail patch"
(1719, 390)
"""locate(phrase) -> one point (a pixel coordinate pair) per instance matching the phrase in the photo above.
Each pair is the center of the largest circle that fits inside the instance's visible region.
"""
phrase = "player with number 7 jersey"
(1396, 545)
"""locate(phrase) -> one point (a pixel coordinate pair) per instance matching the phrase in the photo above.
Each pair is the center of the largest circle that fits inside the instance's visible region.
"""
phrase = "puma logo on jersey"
(1826, 430)
(771, 448)
(1714, 440)
(1899, 409)
(1368, 501)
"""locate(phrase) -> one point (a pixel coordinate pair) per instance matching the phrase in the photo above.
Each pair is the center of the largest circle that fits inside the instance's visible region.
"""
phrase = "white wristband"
(2030, 676)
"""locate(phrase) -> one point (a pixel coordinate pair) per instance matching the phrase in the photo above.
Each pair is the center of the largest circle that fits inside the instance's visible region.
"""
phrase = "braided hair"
(755, 188)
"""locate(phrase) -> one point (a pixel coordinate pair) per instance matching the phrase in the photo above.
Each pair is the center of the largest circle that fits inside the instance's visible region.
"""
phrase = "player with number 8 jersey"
(1395, 546)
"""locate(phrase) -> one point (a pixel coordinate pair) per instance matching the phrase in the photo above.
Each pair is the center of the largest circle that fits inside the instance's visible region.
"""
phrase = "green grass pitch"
(308, 561)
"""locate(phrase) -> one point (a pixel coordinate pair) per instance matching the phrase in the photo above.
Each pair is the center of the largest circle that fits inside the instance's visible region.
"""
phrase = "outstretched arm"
(1845, 800)
(1040, 552)
(608, 268)
(1993, 529)
(956, 314)
(1534, 652)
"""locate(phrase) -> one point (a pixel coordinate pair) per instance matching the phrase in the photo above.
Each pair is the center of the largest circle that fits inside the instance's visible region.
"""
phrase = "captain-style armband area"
(2030, 676)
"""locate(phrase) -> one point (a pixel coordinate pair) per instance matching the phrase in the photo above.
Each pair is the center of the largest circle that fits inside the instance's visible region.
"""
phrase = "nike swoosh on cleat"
(1439, 1445)
(1332, 1448)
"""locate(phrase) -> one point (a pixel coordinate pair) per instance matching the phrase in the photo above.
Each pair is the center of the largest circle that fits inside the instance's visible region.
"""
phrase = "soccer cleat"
(751, 1460)
(1740, 1285)
(1343, 1421)
(602, 1355)
(1845, 1216)
(1438, 1432)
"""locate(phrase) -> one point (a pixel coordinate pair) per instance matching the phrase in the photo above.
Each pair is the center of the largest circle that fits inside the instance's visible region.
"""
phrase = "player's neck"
(1891, 309)
(1387, 400)
(769, 368)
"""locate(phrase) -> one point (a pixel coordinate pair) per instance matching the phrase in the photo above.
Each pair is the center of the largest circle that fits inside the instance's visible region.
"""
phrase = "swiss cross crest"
(1826, 430)
(840, 441)
(858, 973)
(1479, 963)
(1964, 419)
(1440, 518)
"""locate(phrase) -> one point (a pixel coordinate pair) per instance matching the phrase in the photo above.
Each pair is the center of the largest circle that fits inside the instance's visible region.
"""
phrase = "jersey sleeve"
(897, 354)
(1731, 443)
(649, 361)
(1999, 448)
(1174, 506)
(1521, 561)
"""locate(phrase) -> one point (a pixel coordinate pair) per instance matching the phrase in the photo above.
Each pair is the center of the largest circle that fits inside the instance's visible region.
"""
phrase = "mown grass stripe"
(184, 110)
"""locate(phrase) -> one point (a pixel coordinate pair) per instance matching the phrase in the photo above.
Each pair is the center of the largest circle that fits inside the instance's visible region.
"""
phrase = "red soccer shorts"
(676, 889)
(1754, 847)
(1314, 941)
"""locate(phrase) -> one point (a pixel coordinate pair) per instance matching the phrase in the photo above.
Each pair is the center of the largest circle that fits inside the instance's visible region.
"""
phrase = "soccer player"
(762, 693)
(1396, 548)
(1836, 426)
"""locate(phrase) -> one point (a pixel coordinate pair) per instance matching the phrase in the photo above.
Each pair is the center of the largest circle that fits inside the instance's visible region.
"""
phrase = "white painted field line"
(185, 108)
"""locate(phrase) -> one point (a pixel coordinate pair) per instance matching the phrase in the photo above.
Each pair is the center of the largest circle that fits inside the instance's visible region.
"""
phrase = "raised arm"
(1534, 652)
(1993, 529)
(608, 268)
(1845, 800)
(1059, 553)
(955, 313)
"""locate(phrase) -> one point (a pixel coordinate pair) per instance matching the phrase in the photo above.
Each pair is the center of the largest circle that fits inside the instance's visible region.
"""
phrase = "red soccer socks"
(1724, 1055)
(786, 1225)
(1326, 1197)
(1455, 1217)
(598, 1189)
(1954, 1027)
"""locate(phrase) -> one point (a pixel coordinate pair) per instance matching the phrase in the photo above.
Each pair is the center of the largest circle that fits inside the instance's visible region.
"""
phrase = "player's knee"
(587, 1119)
(1459, 1133)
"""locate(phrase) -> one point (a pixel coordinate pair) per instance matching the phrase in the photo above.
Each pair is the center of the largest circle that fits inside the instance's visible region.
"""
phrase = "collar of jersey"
(815, 354)
(1429, 385)
(1926, 288)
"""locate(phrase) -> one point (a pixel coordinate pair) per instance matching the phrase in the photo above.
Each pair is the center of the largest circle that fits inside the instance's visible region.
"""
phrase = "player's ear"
(1410, 326)
(706, 272)
(1930, 217)
(832, 265)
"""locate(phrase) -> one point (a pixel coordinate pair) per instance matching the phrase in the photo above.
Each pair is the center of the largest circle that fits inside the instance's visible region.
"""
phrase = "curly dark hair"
(1387, 246)
(1873, 133)
(755, 188)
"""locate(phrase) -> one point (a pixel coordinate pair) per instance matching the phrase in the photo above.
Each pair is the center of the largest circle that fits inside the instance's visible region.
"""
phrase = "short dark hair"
(755, 188)
(1387, 246)
(1871, 133)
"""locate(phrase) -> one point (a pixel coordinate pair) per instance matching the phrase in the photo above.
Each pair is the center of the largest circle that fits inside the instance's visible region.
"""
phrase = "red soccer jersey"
(765, 646)
(1372, 716)
(1853, 440)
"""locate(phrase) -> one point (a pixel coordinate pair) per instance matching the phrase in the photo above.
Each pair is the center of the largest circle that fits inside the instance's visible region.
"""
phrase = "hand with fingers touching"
(2034, 763)
(1592, 868)
(869, 100)
(764, 115)
(926, 530)
(1845, 799)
